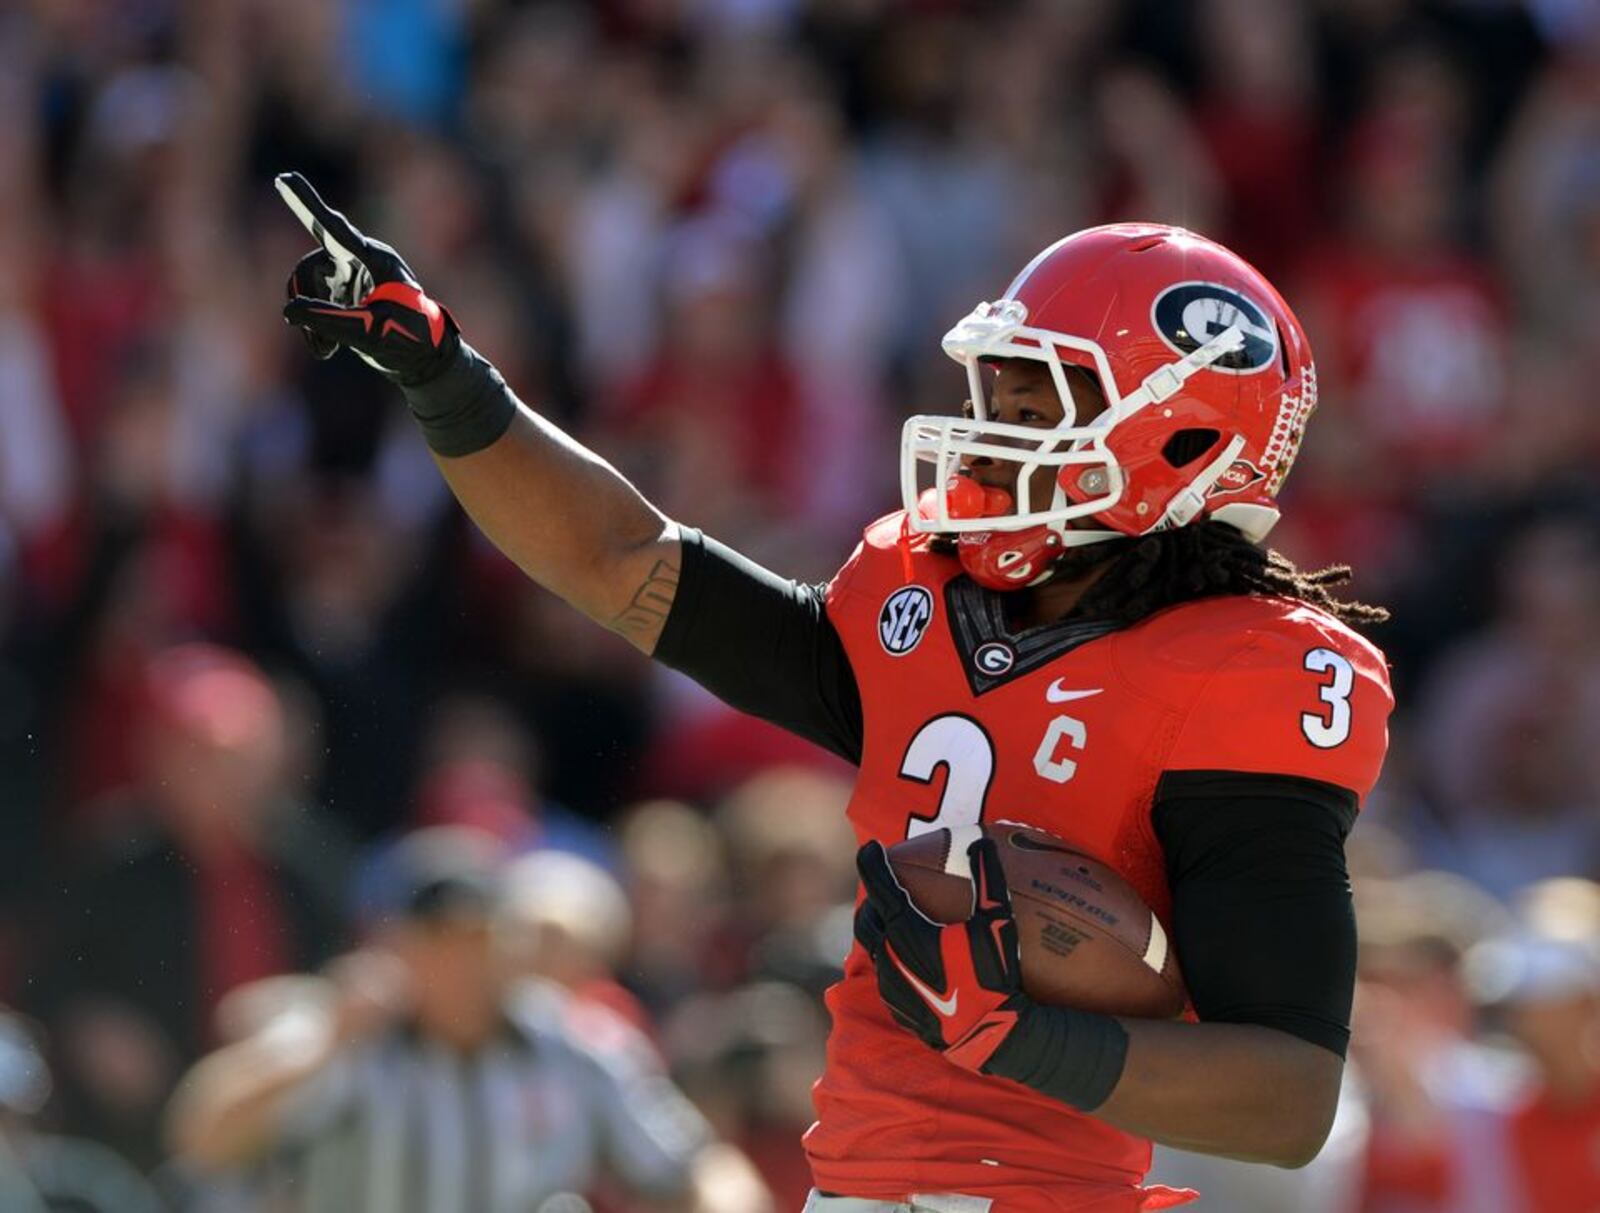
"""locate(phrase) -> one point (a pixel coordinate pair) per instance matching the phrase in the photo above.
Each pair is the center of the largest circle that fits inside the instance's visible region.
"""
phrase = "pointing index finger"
(331, 229)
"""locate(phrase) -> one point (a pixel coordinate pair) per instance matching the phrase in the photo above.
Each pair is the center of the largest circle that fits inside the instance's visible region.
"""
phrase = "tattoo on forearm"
(651, 602)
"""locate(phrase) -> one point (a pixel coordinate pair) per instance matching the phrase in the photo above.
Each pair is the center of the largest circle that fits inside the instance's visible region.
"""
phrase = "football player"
(1075, 626)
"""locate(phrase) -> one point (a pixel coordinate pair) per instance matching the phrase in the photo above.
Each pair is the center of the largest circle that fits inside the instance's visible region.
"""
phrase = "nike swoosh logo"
(1055, 693)
(945, 1006)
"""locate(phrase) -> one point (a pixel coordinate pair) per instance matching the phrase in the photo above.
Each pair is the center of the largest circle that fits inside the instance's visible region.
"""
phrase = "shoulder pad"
(1277, 687)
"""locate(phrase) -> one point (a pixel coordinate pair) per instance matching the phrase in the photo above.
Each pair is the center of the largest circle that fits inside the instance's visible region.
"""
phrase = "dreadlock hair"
(1203, 560)
(1206, 559)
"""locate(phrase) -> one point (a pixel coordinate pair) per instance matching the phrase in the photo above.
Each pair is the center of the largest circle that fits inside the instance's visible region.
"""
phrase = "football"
(1086, 939)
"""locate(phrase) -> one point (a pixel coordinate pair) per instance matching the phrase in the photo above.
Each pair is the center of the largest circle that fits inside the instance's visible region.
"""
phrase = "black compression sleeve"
(763, 644)
(1262, 915)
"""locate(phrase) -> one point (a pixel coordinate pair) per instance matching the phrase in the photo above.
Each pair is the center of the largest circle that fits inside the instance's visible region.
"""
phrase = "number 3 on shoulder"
(1330, 727)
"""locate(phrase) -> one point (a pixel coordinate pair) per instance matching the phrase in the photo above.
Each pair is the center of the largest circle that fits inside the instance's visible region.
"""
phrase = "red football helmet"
(1208, 382)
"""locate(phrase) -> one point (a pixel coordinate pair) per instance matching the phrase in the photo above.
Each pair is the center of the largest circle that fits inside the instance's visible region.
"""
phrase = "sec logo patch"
(905, 617)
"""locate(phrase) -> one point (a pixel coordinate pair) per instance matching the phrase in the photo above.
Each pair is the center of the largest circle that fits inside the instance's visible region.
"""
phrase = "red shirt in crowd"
(1556, 1148)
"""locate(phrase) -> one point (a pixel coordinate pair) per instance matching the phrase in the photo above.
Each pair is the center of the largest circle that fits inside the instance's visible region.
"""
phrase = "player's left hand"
(959, 987)
(358, 292)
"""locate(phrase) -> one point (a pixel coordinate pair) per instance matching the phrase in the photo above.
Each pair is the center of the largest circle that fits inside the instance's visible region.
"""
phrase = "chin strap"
(905, 547)
(1163, 382)
(1187, 504)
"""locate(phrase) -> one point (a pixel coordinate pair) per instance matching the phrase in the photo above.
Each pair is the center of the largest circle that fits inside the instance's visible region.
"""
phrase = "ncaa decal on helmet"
(1208, 382)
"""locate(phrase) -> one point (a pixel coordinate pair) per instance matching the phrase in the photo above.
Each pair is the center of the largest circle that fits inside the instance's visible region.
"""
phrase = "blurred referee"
(420, 1080)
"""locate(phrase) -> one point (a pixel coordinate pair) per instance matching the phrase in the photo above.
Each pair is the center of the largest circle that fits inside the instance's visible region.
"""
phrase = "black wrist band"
(465, 407)
(1075, 1057)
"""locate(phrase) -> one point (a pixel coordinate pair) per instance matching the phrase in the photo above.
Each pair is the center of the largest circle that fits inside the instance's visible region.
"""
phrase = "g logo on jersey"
(1191, 313)
(994, 658)
(905, 617)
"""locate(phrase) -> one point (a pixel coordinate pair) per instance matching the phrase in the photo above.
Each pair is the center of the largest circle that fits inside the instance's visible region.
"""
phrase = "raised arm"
(567, 518)
(570, 521)
(229, 1110)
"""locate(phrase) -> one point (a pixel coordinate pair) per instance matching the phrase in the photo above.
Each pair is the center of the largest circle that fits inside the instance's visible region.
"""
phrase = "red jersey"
(1067, 727)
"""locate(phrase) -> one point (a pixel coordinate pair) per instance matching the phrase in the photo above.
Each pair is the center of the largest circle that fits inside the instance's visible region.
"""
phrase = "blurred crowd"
(248, 647)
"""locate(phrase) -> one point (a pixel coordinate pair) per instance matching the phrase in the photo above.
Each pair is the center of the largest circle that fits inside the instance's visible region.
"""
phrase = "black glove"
(958, 987)
(359, 293)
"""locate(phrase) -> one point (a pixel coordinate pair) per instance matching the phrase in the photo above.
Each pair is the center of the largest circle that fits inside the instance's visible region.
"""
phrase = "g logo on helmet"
(904, 618)
(1191, 313)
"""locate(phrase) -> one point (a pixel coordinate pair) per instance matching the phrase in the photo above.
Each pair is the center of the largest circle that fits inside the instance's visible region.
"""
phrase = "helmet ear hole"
(1184, 447)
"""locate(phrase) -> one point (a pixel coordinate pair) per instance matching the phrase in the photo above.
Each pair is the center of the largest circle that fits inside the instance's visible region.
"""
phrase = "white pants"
(941, 1202)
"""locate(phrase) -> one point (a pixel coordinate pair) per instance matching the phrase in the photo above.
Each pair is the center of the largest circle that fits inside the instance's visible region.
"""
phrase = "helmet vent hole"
(1144, 246)
(1283, 349)
(1184, 447)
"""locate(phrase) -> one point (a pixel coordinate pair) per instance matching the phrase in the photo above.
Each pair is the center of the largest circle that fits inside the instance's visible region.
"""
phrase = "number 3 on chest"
(960, 745)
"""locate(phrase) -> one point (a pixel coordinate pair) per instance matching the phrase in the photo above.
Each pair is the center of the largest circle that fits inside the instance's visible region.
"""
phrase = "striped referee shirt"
(403, 1124)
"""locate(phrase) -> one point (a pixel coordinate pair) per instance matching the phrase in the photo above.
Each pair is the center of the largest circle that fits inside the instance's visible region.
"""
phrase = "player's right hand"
(358, 292)
(957, 986)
